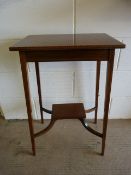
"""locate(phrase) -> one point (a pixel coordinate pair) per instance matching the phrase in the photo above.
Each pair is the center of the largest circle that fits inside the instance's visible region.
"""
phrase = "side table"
(67, 47)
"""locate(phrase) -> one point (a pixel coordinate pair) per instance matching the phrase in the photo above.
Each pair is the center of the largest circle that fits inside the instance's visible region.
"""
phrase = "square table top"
(67, 42)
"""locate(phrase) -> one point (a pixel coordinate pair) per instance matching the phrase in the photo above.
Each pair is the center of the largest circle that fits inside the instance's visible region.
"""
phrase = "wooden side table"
(67, 47)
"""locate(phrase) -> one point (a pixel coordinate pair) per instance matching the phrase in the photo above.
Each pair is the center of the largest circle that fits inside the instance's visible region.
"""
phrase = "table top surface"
(67, 41)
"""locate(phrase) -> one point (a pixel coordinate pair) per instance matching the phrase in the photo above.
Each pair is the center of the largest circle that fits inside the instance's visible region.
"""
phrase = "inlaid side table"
(67, 47)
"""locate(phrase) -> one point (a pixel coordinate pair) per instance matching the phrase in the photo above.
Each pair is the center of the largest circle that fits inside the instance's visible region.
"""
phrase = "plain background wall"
(69, 82)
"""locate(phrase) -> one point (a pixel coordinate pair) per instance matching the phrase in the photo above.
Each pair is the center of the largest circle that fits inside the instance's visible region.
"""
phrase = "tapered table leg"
(39, 89)
(27, 97)
(97, 88)
(109, 74)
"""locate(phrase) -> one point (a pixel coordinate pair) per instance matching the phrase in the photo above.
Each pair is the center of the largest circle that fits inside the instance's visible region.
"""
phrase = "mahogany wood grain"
(66, 42)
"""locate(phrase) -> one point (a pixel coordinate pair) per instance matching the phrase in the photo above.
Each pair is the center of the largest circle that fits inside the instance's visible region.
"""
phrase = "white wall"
(69, 82)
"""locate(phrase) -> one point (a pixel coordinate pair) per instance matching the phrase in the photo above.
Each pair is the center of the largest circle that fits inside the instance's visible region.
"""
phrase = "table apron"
(67, 55)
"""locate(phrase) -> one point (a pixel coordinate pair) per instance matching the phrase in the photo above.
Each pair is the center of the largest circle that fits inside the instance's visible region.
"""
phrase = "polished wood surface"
(67, 41)
(68, 111)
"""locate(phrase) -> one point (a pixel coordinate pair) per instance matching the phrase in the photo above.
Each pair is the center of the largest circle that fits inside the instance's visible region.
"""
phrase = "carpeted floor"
(67, 149)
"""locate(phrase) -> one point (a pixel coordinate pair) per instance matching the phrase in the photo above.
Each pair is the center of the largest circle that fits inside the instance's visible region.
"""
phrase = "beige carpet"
(67, 149)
